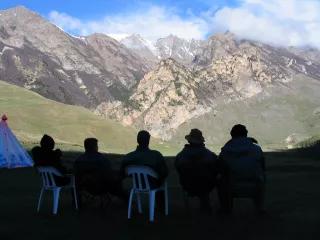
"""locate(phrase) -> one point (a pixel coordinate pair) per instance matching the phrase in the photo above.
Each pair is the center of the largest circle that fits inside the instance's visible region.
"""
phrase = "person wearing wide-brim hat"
(195, 137)
(197, 169)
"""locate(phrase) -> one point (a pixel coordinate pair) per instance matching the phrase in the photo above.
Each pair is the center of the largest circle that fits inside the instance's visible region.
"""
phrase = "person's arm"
(263, 165)
(177, 162)
(123, 166)
(220, 162)
(162, 167)
(105, 162)
(214, 165)
(57, 162)
(35, 155)
(222, 169)
(263, 161)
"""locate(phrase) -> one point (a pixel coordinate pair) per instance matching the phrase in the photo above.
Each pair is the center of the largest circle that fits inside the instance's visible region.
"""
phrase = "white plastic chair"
(141, 185)
(48, 184)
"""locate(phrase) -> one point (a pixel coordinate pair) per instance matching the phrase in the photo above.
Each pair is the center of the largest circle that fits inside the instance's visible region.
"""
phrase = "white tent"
(12, 154)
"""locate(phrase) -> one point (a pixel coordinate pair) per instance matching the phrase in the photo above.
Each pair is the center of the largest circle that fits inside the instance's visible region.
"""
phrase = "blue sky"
(278, 22)
(86, 10)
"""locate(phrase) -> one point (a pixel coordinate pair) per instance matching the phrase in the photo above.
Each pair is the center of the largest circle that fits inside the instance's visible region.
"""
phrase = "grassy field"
(30, 116)
(270, 117)
(292, 202)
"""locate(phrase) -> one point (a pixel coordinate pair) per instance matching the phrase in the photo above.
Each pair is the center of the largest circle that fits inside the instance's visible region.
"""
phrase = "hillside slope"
(31, 115)
(279, 117)
(83, 71)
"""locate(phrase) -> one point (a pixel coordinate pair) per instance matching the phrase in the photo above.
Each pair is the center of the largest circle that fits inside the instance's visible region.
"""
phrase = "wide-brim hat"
(195, 136)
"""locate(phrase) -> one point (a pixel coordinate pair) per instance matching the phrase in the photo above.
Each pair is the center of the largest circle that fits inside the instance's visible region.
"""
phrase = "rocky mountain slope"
(145, 49)
(227, 70)
(181, 50)
(83, 71)
(161, 86)
(280, 116)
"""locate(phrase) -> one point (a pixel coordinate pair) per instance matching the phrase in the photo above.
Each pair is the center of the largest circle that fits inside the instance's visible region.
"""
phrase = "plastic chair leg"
(40, 199)
(56, 194)
(139, 202)
(75, 197)
(166, 198)
(152, 201)
(130, 203)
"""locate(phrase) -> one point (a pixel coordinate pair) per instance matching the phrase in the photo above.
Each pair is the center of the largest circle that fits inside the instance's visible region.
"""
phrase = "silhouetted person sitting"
(44, 155)
(94, 174)
(197, 168)
(242, 168)
(144, 156)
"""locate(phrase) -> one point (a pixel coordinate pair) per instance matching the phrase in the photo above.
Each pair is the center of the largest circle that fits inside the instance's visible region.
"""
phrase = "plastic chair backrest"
(140, 176)
(47, 175)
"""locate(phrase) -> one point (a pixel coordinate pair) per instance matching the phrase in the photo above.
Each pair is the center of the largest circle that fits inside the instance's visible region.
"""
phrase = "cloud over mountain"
(151, 23)
(279, 22)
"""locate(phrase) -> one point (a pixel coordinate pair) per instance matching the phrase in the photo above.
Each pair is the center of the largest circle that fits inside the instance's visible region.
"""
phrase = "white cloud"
(152, 24)
(279, 22)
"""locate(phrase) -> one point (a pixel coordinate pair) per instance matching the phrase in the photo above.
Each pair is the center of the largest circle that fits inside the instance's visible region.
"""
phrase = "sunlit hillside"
(30, 116)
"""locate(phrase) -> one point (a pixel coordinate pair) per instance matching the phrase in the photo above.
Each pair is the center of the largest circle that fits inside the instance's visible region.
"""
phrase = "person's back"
(45, 156)
(94, 173)
(197, 168)
(196, 165)
(243, 159)
(242, 169)
(143, 156)
(147, 157)
(94, 162)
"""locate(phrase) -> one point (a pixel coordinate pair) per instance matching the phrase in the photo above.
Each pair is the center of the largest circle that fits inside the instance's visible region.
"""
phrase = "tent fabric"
(12, 154)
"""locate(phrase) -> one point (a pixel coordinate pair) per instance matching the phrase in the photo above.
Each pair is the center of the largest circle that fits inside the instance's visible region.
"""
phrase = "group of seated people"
(239, 168)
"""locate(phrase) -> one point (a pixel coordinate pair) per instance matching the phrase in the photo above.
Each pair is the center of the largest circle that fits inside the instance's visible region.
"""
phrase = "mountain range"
(170, 85)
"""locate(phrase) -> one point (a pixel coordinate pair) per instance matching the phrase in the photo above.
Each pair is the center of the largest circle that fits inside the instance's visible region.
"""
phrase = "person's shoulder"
(81, 157)
(36, 149)
(156, 152)
(129, 156)
(209, 152)
(227, 144)
(182, 152)
(256, 147)
(101, 155)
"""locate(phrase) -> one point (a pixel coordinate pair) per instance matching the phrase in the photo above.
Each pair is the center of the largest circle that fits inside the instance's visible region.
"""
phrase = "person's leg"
(62, 181)
(205, 206)
(113, 184)
(259, 199)
(225, 196)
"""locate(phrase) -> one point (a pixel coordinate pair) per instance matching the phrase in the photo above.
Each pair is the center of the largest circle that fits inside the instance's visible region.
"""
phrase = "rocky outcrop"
(173, 94)
(164, 99)
(76, 70)
(232, 70)
(158, 87)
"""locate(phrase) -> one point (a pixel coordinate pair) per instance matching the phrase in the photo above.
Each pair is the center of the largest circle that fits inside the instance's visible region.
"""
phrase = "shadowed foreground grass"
(293, 204)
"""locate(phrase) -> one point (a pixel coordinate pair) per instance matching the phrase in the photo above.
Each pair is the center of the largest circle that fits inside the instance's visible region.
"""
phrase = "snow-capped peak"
(118, 36)
(137, 42)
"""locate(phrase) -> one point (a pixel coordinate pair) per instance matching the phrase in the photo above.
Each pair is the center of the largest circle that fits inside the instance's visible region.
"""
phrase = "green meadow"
(31, 115)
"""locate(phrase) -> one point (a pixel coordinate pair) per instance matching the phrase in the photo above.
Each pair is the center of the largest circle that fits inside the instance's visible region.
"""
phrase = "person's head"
(143, 138)
(238, 130)
(91, 145)
(195, 137)
(47, 142)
